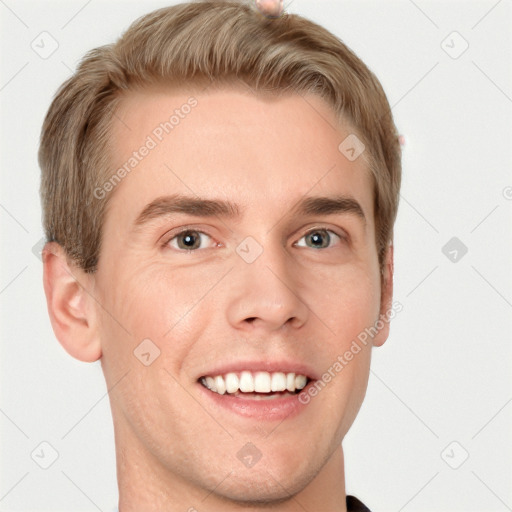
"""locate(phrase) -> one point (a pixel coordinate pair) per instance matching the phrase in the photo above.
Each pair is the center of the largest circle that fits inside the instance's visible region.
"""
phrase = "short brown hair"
(225, 41)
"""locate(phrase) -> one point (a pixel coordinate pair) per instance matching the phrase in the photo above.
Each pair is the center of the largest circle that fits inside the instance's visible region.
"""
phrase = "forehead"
(231, 143)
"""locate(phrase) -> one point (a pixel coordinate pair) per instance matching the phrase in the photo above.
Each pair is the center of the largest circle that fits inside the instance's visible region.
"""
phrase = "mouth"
(260, 385)
(262, 390)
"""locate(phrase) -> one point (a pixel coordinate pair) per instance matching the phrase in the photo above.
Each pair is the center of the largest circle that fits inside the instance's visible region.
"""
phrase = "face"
(218, 253)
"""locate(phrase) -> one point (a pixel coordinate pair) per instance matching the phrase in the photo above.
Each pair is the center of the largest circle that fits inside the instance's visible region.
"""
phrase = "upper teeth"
(260, 382)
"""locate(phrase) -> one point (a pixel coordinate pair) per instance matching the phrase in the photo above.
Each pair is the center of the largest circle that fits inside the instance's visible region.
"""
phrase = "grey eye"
(188, 240)
(318, 239)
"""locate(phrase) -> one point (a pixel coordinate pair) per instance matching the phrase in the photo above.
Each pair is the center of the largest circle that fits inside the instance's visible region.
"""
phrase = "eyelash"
(342, 238)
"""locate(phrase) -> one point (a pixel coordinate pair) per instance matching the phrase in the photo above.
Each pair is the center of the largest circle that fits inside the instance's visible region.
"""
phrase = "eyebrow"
(177, 203)
(182, 204)
(329, 206)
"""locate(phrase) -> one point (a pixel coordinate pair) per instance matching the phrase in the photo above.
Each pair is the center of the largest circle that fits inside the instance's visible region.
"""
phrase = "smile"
(252, 383)
(268, 392)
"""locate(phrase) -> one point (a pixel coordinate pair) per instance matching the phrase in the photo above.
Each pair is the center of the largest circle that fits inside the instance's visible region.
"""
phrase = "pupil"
(188, 240)
(316, 238)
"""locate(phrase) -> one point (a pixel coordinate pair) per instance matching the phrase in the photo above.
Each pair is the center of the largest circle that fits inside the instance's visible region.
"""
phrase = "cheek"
(153, 303)
(348, 304)
(346, 299)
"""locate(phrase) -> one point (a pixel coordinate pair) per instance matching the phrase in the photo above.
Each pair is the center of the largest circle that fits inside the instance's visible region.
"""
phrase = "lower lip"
(283, 408)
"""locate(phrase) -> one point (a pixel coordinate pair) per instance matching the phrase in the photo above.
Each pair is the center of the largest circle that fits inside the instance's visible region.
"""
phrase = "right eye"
(187, 240)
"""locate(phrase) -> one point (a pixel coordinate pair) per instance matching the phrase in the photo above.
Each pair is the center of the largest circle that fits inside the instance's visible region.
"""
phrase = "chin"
(265, 484)
(262, 489)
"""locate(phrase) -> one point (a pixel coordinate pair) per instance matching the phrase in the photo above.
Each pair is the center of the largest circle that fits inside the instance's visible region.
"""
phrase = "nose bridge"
(266, 291)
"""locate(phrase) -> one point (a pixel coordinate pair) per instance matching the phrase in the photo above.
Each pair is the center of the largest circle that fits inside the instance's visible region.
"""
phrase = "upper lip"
(285, 366)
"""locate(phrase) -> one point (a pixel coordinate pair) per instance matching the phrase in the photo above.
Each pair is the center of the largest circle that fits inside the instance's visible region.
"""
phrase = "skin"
(175, 450)
(270, 7)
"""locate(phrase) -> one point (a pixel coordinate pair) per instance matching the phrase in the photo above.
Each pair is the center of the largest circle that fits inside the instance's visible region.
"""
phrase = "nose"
(265, 294)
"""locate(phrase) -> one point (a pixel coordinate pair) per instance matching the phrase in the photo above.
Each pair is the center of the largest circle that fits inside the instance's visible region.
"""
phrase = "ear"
(386, 300)
(70, 305)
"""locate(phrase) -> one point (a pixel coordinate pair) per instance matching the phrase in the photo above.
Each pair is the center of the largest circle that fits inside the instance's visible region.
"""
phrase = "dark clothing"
(354, 505)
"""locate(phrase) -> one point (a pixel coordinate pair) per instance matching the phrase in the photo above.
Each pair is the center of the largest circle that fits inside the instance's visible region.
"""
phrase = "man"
(219, 191)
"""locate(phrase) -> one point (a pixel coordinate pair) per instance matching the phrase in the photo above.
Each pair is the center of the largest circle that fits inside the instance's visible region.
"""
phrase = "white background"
(444, 373)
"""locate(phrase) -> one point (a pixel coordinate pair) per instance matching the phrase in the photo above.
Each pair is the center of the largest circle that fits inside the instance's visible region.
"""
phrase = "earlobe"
(70, 306)
(386, 300)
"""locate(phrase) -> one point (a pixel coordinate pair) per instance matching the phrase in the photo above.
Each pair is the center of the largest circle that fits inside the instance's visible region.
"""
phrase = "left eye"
(188, 240)
(319, 238)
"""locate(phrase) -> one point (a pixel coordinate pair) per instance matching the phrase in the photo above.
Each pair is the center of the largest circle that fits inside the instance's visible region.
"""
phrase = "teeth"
(210, 384)
(220, 385)
(246, 382)
(232, 382)
(259, 382)
(300, 381)
(290, 382)
(278, 382)
(262, 382)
